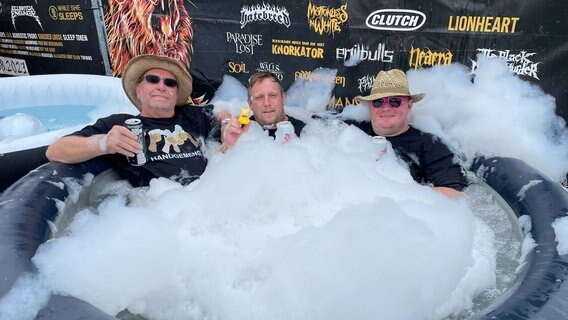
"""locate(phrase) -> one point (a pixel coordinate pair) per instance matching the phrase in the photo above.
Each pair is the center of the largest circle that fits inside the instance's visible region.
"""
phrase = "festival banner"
(357, 38)
(50, 37)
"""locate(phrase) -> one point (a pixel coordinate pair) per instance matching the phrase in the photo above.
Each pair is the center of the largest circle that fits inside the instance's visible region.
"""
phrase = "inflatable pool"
(29, 207)
(51, 92)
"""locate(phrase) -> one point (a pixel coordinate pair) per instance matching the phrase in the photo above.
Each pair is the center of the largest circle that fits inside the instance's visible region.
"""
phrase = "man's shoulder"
(196, 112)
(365, 126)
(117, 117)
(201, 118)
(413, 141)
(297, 124)
(425, 141)
(296, 121)
(104, 124)
(414, 133)
(192, 108)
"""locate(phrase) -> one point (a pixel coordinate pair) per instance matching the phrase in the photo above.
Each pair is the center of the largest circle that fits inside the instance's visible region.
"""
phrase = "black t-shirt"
(173, 145)
(298, 126)
(428, 158)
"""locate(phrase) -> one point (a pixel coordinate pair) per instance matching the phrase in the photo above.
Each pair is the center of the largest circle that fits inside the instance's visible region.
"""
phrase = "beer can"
(381, 143)
(284, 131)
(135, 125)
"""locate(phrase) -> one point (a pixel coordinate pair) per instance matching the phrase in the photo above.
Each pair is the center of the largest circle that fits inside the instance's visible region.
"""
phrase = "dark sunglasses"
(394, 102)
(168, 82)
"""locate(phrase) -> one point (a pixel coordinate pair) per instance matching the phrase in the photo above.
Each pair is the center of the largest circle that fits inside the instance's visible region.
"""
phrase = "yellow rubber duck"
(244, 117)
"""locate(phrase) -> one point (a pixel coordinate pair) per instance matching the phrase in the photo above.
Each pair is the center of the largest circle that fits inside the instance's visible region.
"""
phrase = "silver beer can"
(284, 131)
(381, 143)
(135, 125)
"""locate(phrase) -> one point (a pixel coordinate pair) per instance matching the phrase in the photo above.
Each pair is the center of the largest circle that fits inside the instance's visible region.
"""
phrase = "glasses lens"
(378, 103)
(152, 78)
(395, 102)
(170, 82)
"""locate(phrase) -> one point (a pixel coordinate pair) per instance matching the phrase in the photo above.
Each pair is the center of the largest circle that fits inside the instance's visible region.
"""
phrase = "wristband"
(103, 143)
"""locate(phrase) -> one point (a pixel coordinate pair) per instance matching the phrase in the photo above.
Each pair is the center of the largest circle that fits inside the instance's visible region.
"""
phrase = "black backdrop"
(290, 38)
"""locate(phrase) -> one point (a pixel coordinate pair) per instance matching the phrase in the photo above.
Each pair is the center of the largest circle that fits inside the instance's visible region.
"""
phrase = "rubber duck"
(244, 117)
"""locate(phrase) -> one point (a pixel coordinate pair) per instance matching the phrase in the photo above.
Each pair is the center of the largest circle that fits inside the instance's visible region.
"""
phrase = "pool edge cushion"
(16, 164)
(26, 208)
(539, 290)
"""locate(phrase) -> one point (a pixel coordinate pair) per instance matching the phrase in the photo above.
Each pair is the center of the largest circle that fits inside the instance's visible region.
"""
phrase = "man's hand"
(449, 192)
(120, 140)
(231, 131)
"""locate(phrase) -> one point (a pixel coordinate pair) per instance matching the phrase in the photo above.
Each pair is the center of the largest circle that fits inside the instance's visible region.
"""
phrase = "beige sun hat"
(138, 65)
(391, 83)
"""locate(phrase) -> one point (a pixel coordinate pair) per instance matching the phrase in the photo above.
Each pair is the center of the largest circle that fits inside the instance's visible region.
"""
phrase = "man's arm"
(450, 192)
(443, 171)
(74, 149)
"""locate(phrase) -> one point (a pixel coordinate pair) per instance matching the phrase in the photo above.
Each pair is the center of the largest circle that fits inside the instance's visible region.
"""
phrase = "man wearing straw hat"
(430, 160)
(173, 134)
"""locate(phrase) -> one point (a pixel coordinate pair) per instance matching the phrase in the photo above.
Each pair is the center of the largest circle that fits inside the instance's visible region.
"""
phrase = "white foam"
(316, 228)
(19, 125)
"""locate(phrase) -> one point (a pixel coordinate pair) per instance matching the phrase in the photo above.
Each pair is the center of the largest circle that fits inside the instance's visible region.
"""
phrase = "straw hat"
(137, 66)
(391, 83)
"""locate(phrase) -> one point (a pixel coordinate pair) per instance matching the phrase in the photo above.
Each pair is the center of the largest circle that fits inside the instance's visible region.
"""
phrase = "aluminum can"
(284, 131)
(135, 125)
(381, 143)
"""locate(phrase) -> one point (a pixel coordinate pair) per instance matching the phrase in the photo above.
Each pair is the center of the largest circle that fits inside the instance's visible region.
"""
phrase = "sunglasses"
(168, 82)
(394, 102)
